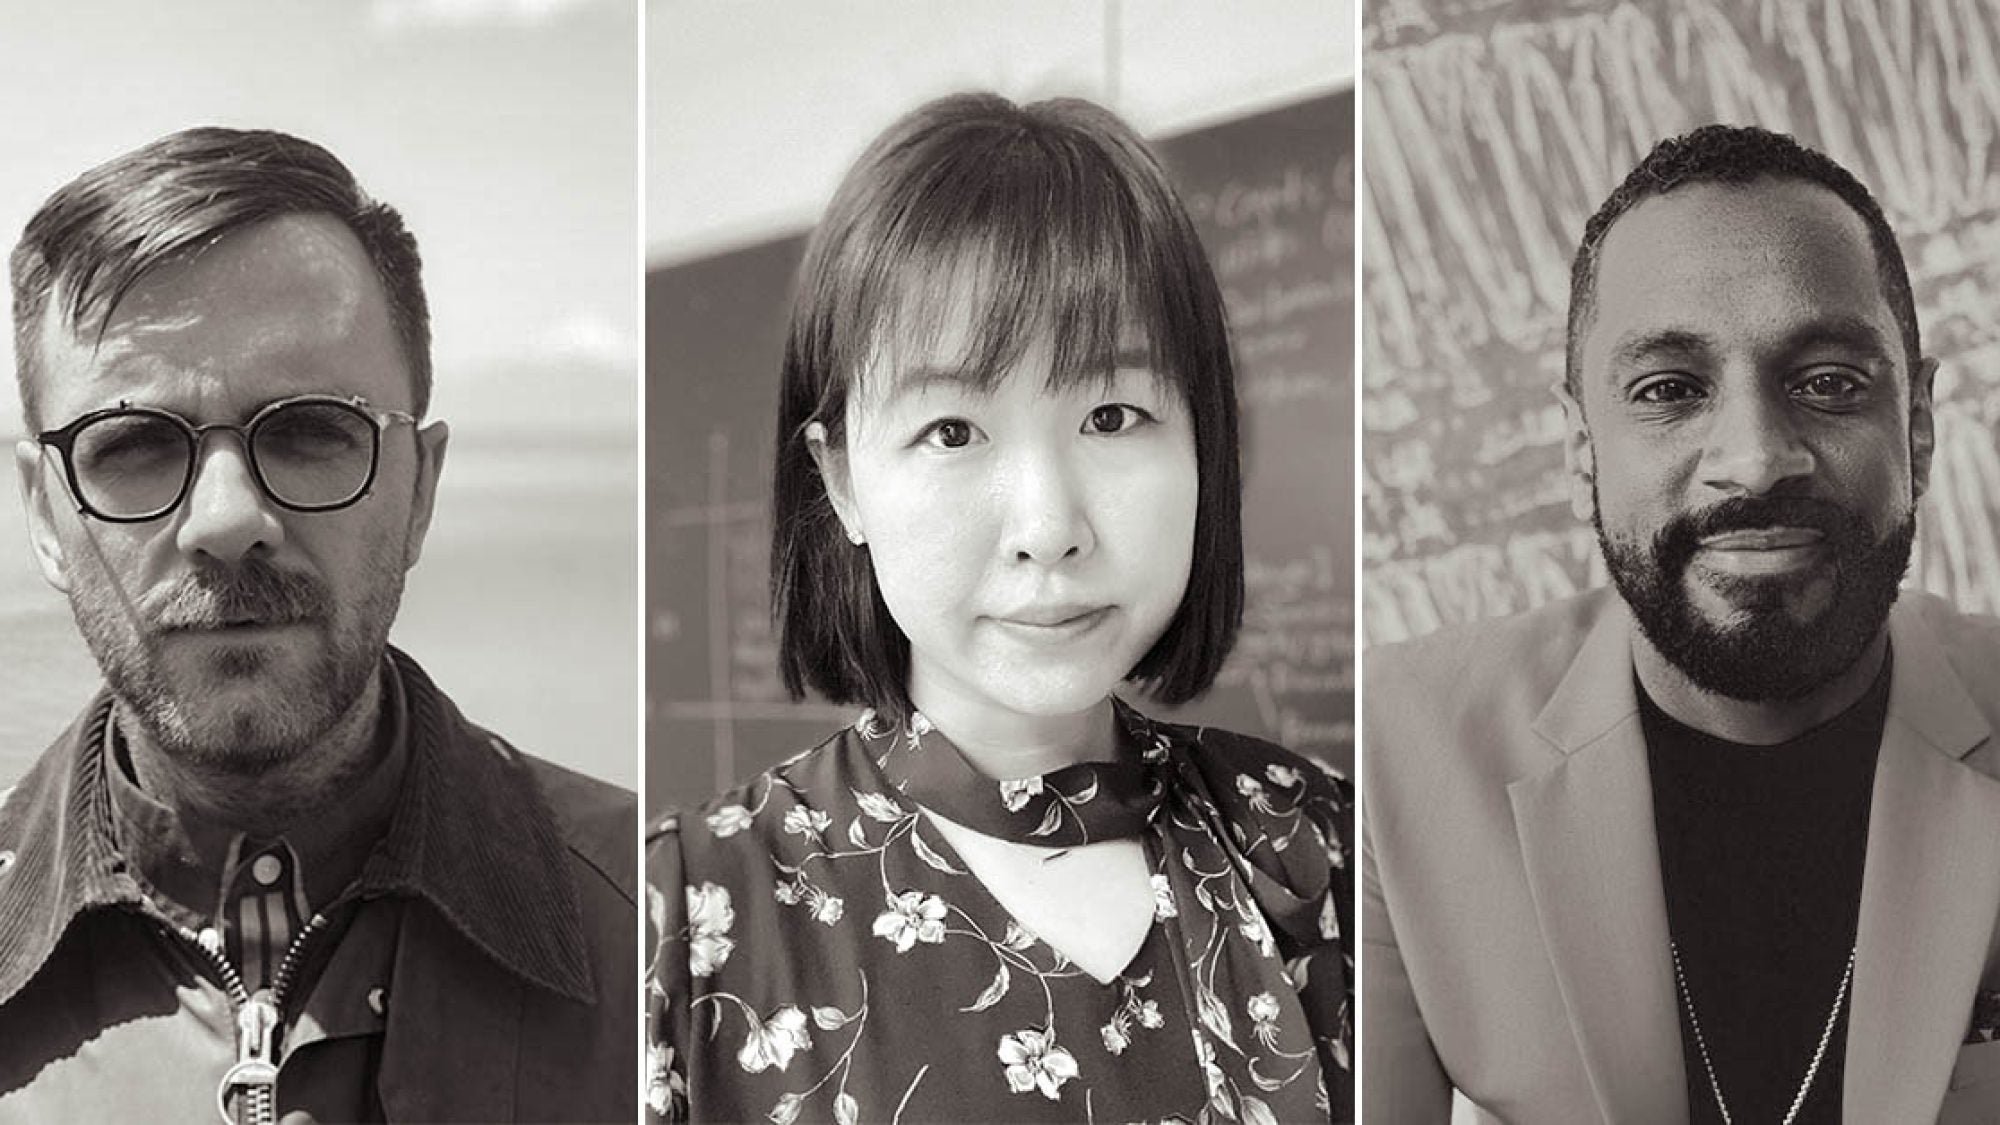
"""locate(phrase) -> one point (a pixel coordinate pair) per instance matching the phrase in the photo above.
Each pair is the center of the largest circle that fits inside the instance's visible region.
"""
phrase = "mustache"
(1753, 513)
(1845, 532)
(212, 597)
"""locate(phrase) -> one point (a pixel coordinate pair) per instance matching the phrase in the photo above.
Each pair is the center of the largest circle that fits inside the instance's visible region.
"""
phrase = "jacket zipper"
(259, 1018)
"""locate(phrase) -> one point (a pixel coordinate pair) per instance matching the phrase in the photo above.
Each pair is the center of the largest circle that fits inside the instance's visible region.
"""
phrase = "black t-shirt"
(1761, 852)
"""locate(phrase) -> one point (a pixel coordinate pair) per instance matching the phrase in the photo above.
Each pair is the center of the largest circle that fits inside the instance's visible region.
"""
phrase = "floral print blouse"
(824, 955)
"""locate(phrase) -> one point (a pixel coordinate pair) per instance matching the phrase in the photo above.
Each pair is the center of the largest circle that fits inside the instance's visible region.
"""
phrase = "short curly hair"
(1732, 154)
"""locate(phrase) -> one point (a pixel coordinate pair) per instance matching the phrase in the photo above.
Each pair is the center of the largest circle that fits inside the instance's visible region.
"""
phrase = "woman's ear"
(832, 462)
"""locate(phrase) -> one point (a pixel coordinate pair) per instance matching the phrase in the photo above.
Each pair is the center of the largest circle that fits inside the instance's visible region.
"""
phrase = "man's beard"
(1765, 653)
(296, 702)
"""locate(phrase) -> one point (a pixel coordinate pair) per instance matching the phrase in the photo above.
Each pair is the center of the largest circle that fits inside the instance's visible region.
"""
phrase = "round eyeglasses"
(310, 453)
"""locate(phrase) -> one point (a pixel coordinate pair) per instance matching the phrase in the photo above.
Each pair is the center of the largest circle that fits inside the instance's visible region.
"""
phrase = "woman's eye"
(1663, 392)
(1114, 417)
(949, 433)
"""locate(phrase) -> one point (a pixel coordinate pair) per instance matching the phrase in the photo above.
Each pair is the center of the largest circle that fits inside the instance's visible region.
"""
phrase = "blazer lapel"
(1592, 859)
(1930, 891)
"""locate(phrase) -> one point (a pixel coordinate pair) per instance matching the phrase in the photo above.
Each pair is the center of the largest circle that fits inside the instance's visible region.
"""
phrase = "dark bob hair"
(1066, 229)
(103, 232)
(1734, 155)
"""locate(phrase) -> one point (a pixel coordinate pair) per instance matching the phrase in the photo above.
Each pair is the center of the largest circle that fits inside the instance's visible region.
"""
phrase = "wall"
(1493, 130)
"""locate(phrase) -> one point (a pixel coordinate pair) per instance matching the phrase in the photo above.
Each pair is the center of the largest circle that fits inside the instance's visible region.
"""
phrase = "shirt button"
(6, 861)
(378, 1001)
(267, 869)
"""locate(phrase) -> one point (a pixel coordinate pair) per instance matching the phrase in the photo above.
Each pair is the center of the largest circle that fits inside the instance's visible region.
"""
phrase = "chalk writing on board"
(1493, 129)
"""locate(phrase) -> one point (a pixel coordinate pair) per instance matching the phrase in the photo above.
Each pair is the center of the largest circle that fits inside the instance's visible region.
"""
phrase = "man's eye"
(1113, 417)
(1661, 392)
(948, 433)
(1829, 385)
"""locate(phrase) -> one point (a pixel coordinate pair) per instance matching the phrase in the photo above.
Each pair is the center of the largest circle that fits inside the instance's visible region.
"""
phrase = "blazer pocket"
(1979, 1065)
(1974, 1096)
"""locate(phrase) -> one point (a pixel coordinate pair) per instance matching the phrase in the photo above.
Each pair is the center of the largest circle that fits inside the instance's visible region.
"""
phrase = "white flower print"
(1255, 931)
(787, 893)
(827, 909)
(1149, 1013)
(1249, 786)
(665, 1088)
(773, 1044)
(787, 1109)
(1015, 794)
(879, 806)
(1263, 1007)
(709, 918)
(913, 916)
(1217, 1082)
(728, 820)
(1329, 919)
(806, 822)
(1284, 777)
(1034, 1062)
(1163, 899)
(871, 725)
(1116, 1035)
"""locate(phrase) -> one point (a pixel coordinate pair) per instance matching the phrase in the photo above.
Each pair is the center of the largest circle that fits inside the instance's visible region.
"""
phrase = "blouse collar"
(1078, 804)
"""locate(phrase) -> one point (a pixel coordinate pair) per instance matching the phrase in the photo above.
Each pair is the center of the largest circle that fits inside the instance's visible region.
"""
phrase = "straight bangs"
(994, 251)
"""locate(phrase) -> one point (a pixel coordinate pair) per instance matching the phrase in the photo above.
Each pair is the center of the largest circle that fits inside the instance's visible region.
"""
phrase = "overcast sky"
(503, 129)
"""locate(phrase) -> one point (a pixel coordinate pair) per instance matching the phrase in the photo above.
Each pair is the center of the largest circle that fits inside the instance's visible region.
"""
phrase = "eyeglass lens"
(308, 454)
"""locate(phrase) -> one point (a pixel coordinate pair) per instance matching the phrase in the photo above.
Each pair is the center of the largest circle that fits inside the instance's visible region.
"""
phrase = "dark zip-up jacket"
(482, 969)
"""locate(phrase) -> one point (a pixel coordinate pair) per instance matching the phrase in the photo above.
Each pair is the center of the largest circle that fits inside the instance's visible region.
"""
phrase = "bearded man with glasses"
(271, 869)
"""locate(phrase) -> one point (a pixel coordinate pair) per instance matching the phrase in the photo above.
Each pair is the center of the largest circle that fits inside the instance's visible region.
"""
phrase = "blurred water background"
(503, 130)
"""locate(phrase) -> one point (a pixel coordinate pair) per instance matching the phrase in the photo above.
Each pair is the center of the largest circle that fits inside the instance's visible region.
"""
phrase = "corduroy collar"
(471, 835)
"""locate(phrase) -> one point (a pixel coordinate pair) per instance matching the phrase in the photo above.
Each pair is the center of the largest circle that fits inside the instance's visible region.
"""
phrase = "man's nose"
(1047, 515)
(1754, 444)
(226, 514)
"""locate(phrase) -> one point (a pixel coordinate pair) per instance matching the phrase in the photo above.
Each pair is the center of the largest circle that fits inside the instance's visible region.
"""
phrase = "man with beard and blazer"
(1721, 843)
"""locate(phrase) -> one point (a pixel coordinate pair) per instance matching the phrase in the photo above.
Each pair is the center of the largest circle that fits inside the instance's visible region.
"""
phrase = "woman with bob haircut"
(1006, 483)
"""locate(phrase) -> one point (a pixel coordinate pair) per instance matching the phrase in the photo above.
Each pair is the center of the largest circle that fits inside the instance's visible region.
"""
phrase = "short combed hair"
(1066, 229)
(104, 231)
(1737, 155)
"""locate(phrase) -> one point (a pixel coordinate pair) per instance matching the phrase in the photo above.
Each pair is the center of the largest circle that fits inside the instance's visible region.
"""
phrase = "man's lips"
(1761, 550)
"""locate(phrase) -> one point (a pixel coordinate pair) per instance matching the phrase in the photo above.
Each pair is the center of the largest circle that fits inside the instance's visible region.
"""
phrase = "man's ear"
(28, 462)
(832, 462)
(1923, 426)
(431, 441)
(1579, 456)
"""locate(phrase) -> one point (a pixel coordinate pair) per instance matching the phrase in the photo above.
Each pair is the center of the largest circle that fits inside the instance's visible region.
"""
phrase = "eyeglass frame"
(63, 441)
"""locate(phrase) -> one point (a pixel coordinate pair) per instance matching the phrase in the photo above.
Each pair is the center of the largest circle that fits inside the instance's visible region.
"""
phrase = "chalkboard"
(1273, 196)
(1494, 129)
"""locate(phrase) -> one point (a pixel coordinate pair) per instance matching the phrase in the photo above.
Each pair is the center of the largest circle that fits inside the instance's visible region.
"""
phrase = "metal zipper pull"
(255, 1075)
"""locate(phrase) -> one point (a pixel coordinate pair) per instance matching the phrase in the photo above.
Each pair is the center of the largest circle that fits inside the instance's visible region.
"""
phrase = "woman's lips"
(1052, 624)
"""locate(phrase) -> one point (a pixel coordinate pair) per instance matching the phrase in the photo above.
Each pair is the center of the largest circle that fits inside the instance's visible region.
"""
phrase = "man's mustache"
(249, 592)
(1676, 543)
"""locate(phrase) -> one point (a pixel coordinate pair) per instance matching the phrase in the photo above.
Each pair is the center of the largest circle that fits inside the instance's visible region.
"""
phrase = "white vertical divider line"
(643, 625)
(1360, 602)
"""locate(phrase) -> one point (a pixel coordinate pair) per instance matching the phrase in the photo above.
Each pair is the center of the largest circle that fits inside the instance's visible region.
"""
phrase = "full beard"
(238, 708)
(1784, 641)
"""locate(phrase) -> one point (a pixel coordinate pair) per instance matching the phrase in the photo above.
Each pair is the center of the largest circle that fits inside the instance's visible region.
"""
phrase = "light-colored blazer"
(1514, 927)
